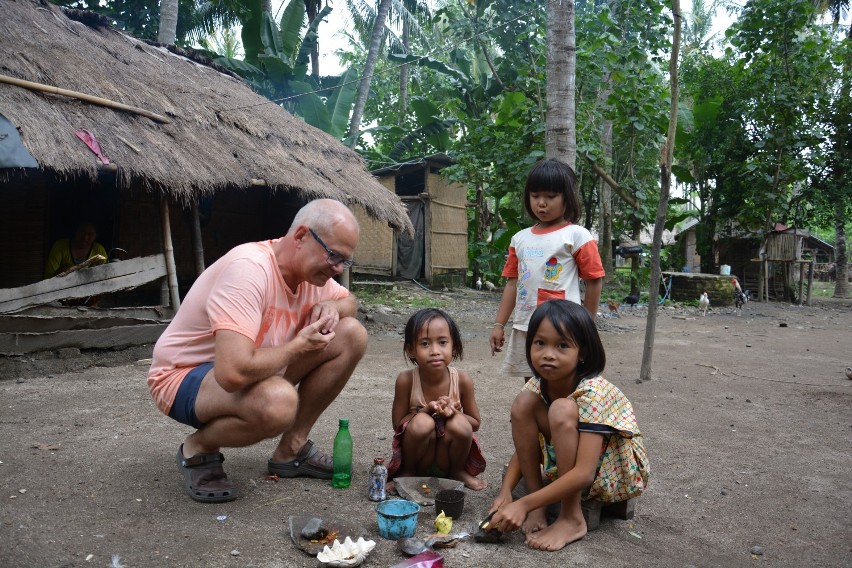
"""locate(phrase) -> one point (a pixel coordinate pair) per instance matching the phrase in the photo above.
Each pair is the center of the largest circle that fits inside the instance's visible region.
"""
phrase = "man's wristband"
(503, 325)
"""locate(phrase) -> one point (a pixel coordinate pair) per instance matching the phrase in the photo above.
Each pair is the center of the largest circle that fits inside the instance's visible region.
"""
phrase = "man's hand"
(314, 336)
(325, 311)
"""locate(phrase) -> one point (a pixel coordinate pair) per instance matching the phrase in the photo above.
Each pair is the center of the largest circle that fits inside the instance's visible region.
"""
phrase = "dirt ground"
(747, 424)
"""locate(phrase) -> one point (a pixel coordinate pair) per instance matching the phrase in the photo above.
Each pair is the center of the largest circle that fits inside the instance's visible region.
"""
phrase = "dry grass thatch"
(221, 134)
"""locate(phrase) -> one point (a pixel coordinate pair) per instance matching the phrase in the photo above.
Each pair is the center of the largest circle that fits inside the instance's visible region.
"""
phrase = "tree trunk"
(560, 134)
(369, 68)
(665, 185)
(841, 258)
(843, 161)
(168, 22)
(311, 11)
(605, 244)
(403, 74)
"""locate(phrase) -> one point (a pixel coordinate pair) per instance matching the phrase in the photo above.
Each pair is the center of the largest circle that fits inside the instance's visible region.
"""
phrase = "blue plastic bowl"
(397, 518)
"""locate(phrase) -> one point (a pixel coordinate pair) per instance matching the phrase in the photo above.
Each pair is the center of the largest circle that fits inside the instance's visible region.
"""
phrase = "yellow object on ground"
(443, 523)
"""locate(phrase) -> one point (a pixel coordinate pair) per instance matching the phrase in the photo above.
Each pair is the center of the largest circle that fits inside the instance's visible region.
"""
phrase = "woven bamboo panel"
(375, 247)
(782, 246)
(449, 224)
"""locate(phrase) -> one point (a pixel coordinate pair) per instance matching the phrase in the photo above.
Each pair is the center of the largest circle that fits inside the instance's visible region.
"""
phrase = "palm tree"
(168, 22)
(560, 132)
(369, 68)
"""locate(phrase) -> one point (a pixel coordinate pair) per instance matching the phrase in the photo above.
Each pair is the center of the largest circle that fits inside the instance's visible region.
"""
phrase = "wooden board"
(122, 336)
(93, 281)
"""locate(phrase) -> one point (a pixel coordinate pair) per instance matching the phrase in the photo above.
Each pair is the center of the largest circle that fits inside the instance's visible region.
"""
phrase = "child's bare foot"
(535, 521)
(470, 481)
(390, 488)
(563, 531)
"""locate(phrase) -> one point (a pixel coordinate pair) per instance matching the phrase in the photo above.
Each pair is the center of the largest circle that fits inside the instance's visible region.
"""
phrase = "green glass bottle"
(342, 456)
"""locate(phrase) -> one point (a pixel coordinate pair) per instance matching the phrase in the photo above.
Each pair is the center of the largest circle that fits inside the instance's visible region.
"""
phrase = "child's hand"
(500, 501)
(510, 517)
(445, 407)
(497, 339)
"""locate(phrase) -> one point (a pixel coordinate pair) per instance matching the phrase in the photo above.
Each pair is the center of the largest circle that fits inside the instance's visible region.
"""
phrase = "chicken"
(740, 298)
(703, 304)
(631, 300)
(479, 283)
(489, 286)
(613, 307)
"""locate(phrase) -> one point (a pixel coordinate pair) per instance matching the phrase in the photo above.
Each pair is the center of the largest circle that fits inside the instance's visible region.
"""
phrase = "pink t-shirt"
(243, 292)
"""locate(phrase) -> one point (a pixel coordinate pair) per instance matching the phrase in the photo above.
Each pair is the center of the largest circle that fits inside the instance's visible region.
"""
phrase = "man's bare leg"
(242, 418)
(321, 377)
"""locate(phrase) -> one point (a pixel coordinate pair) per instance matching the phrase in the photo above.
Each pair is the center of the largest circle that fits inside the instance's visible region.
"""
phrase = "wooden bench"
(593, 510)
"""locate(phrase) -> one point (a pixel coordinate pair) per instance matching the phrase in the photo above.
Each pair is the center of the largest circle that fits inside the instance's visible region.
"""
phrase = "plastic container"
(725, 269)
(342, 456)
(378, 479)
(397, 518)
(451, 502)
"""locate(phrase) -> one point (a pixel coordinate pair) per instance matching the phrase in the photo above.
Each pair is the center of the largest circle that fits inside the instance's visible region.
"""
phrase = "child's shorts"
(515, 362)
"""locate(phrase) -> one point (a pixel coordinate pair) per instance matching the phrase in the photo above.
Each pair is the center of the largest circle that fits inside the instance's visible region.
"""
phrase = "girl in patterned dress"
(575, 433)
(434, 409)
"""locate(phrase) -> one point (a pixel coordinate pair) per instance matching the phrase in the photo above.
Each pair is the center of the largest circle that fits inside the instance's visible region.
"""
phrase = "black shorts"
(183, 408)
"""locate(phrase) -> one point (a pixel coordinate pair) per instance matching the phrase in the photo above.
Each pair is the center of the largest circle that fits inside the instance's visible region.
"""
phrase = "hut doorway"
(410, 253)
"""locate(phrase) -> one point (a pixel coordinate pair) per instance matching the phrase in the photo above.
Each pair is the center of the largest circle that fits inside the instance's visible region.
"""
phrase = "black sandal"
(310, 462)
(204, 478)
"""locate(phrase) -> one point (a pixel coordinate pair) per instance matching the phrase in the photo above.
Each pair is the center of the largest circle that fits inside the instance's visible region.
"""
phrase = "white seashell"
(346, 554)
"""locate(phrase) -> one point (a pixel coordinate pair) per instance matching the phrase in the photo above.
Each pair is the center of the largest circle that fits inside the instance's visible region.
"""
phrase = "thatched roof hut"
(220, 134)
(196, 138)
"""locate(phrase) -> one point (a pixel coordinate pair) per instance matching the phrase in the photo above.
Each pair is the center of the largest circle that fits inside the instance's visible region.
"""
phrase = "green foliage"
(141, 18)
(276, 65)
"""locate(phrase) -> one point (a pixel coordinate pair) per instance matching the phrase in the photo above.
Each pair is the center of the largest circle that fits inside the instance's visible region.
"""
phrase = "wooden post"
(810, 280)
(168, 250)
(197, 243)
(801, 282)
(766, 279)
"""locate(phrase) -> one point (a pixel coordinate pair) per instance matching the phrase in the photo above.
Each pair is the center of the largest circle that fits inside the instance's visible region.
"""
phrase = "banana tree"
(276, 66)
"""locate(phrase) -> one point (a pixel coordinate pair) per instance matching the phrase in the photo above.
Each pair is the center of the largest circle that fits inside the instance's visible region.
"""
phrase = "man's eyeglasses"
(333, 258)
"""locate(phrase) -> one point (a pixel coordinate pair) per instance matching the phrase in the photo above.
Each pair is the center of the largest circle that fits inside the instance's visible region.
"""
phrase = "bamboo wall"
(374, 255)
(447, 227)
(445, 238)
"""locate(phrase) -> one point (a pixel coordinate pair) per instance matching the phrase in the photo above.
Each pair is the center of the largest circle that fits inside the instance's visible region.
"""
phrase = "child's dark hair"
(422, 318)
(553, 176)
(574, 324)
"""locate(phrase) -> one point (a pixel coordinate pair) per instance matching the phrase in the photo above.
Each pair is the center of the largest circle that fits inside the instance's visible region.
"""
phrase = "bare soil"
(747, 424)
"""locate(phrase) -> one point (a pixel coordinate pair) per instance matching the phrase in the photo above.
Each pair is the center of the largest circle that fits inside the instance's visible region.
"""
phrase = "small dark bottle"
(378, 479)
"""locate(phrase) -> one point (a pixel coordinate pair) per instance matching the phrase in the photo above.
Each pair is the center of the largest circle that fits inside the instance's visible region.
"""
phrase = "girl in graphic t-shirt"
(546, 261)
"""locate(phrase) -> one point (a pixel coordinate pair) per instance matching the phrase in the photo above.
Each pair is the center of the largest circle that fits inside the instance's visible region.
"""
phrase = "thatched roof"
(221, 135)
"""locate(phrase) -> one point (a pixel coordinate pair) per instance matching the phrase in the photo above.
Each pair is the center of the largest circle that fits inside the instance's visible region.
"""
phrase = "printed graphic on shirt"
(523, 274)
(552, 270)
